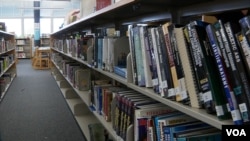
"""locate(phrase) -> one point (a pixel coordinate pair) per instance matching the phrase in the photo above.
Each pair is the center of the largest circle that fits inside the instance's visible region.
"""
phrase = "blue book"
(235, 112)
(99, 53)
(138, 55)
(169, 131)
(121, 71)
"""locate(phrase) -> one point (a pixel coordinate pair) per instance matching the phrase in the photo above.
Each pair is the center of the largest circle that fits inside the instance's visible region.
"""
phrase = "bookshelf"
(24, 48)
(127, 12)
(7, 62)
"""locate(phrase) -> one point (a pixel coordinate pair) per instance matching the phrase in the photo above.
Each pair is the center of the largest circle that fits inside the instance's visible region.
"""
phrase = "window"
(13, 25)
(28, 26)
(57, 23)
(45, 25)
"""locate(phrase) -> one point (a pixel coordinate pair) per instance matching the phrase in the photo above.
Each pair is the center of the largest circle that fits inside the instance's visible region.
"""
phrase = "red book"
(102, 3)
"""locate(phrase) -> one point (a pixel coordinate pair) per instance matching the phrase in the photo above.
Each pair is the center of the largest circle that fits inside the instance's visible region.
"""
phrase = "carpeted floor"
(34, 109)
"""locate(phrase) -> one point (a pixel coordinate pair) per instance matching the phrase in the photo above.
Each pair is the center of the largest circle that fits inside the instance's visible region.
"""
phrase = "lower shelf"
(78, 108)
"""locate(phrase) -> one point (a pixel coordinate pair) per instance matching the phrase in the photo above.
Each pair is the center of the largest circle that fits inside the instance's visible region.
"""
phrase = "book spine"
(195, 97)
(132, 51)
(244, 48)
(245, 26)
(198, 35)
(181, 91)
(167, 84)
(244, 97)
(188, 83)
(146, 56)
(227, 89)
(217, 94)
(162, 88)
(170, 55)
(138, 55)
(155, 80)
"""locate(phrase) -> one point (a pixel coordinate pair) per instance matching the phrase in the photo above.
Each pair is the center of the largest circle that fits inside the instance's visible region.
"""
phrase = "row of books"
(23, 41)
(6, 45)
(151, 120)
(183, 63)
(108, 53)
(5, 79)
(76, 73)
(202, 64)
(5, 61)
(126, 108)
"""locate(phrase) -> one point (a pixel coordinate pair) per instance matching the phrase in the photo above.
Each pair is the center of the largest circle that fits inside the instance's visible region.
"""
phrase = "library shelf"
(127, 12)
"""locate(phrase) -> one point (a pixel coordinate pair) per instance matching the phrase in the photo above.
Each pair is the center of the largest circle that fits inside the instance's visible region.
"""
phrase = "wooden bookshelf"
(24, 48)
(8, 62)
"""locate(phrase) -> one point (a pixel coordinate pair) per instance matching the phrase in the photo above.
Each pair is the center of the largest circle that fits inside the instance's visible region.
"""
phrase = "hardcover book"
(234, 109)
(97, 132)
(138, 56)
(243, 96)
(132, 52)
(146, 56)
(216, 98)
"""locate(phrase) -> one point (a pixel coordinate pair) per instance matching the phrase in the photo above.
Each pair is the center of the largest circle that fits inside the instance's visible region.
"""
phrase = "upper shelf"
(5, 34)
(129, 11)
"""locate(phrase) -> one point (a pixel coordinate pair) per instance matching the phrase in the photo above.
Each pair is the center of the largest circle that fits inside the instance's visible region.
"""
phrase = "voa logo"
(236, 132)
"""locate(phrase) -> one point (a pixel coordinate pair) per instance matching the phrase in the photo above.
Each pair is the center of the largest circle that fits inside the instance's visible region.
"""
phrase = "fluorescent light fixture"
(39, 8)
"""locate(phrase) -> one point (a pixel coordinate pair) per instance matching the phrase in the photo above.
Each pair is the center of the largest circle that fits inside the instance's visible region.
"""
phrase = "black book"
(165, 71)
(241, 73)
(153, 61)
(215, 47)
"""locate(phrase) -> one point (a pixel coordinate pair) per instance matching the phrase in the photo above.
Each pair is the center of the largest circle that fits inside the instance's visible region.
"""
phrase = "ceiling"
(48, 8)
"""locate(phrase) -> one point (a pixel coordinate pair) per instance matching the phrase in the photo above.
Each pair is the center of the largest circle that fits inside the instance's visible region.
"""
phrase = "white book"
(157, 60)
(110, 57)
(105, 53)
(145, 57)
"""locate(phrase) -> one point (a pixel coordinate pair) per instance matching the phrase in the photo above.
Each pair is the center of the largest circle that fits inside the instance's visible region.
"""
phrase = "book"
(132, 52)
(245, 27)
(234, 109)
(96, 131)
(172, 120)
(100, 4)
(244, 48)
(180, 89)
(166, 72)
(189, 134)
(155, 79)
(243, 91)
(149, 113)
(111, 54)
(188, 97)
(121, 51)
(163, 86)
(82, 79)
(138, 56)
(105, 50)
(145, 56)
(167, 31)
(169, 131)
(199, 43)
(99, 52)
(215, 90)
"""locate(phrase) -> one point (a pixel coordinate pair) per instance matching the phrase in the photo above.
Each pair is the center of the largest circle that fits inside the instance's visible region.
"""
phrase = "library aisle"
(34, 109)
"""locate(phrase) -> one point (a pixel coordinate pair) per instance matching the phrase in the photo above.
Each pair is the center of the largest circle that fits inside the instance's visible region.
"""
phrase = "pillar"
(37, 23)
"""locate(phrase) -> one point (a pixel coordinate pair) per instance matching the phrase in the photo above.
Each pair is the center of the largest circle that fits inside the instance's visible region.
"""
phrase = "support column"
(37, 23)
